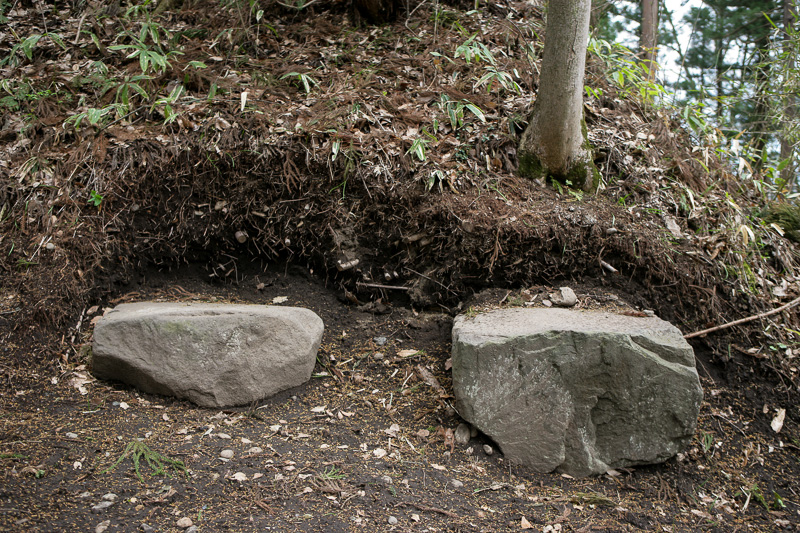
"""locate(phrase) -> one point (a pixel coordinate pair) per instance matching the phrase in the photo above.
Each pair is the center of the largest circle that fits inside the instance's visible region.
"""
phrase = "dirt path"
(365, 446)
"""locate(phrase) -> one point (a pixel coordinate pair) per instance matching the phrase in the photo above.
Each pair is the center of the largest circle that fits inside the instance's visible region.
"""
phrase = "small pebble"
(462, 434)
(115, 404)
(192, 529)
(72, 435)
(254, 450)
(547, 303)
(487, 449)
(102, 526)
(185, 522)
(110, 497)
(378, 356)
(225, 454)
(102, 506)
(147, 528)
(456, 484)
(649, 312)
(387, 480)
(84, 495)
(223, 436)
(50, 246)
(380, 341)
(392, 520)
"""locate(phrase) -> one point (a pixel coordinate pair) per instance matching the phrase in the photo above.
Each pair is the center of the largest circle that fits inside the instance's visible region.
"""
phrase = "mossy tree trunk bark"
(555, 144)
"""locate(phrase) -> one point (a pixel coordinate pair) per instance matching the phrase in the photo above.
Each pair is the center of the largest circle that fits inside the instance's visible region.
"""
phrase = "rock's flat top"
(503, 324)
(521, 321)
(198, 309)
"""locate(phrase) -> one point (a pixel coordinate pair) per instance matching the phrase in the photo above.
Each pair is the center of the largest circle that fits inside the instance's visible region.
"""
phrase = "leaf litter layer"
(379, 156)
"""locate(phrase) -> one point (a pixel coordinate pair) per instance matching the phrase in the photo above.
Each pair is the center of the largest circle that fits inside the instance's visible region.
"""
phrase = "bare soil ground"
(263, 188)
(369, 438)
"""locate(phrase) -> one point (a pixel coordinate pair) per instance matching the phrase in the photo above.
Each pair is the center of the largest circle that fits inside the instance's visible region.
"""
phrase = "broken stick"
(744, 320)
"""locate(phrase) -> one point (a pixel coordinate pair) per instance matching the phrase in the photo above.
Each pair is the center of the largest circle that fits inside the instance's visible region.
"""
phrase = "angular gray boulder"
(215, 355)
(580, 392)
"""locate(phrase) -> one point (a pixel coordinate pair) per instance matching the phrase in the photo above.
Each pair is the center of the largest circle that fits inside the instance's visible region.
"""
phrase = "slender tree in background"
(789, 117)
(648, 35)
(724, 64)
(554, 144)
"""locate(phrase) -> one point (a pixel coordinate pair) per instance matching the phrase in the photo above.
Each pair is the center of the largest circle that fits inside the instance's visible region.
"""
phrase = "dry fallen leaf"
(379, 452)
(524, 524)
(279, 299)
(407, 353)
(777, 422)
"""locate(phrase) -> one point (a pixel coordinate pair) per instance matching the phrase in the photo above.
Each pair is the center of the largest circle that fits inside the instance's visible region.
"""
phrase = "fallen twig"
(744, 320)
(608, 267)
(360, 285)
(429, 509)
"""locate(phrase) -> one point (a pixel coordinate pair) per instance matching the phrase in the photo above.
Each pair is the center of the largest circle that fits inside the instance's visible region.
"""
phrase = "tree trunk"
(648, 37)
(789, 109)
(599, 9)
(761, 119)
(554, 144)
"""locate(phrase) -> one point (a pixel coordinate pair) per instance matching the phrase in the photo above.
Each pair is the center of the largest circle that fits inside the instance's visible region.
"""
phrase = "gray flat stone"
(576, 391)
(215, 355)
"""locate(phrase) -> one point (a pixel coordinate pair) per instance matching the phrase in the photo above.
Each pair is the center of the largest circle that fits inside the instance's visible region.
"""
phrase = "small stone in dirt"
(462, 434)
(649, 312)
(473, 432)
(110, 497)
(192, 529)
(223, 436)
(71, 435)
(456, 484)
(50, 246)
(378, 356)
(226, 454)
(547, 303)
(392, 520)
(84, 495)
(254, 450)
(147, 528)
(102, 526)
(487, 449)
(565, 297)
(185, 522)
(387, 480)
(380, 341)
(102, 506)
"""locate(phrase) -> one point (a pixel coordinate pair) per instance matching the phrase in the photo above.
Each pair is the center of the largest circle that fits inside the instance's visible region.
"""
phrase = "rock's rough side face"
(215, 355)
(576, 391)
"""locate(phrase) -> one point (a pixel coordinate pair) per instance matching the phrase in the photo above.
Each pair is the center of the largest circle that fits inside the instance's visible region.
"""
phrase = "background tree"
(554, 143)
(725, 65)
(648, 35)
(788, 119)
